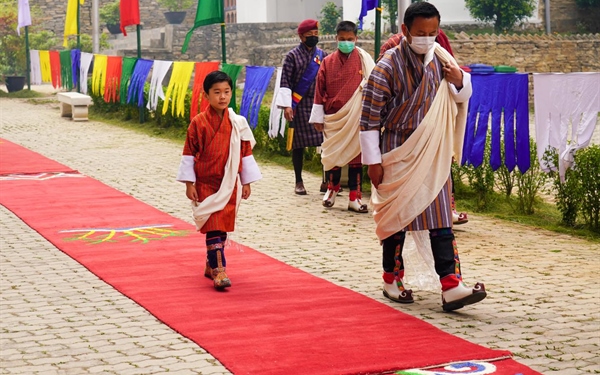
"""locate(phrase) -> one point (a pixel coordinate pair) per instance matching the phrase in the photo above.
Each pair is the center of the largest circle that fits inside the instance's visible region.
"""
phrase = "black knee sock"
(442, 246)
(355, 177)
(390, 245)
(334, 176)
(297, 160)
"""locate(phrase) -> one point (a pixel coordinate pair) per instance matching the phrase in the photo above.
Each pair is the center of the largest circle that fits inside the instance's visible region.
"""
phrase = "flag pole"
(377, 27)
(139, 56)
(78, 37)
(223, 47)
(27, 58)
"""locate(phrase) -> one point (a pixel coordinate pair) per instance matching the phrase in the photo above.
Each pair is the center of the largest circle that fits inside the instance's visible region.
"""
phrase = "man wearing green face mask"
(336, 112)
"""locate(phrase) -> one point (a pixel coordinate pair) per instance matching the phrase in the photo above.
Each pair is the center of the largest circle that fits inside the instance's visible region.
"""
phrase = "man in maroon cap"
(296, 94)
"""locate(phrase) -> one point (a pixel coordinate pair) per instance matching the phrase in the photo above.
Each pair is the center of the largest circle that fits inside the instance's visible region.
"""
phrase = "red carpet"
(261, 325)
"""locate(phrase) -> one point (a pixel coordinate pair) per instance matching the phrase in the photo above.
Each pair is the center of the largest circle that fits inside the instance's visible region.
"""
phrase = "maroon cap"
(307, 25)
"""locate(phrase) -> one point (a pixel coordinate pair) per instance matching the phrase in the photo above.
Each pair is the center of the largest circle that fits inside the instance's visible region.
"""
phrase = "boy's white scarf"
(216, 202)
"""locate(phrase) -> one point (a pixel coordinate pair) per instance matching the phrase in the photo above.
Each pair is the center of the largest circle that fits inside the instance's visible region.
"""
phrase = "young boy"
(336, 113)
(217, 167)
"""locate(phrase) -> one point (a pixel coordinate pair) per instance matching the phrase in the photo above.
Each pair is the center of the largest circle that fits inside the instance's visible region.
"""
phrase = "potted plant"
(13, 58)
(176, 9)
(110, 15)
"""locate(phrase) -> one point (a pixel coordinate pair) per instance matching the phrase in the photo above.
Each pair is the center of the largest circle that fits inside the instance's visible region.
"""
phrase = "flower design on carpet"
(469, 367)
(142, 234)
(40, 176)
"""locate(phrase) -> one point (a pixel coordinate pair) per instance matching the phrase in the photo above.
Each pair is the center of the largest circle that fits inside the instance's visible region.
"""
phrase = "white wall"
(452, 12)
(251, 11)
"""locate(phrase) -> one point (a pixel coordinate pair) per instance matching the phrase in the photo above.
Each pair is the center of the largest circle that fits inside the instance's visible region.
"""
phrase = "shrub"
(566, 194)
(587, 171)
(481, 179)
(530, 183)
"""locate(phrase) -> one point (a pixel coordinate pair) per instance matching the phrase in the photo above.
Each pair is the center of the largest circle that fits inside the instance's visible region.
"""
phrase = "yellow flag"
(99, 74)
(45, 66)
(71, 20)
(178, 86)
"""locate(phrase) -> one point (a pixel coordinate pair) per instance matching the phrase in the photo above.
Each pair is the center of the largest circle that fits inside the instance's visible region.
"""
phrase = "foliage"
(176, 5)
(503, 13)
(13, 56)
(391, 14)
(481, 179)
(86, 43)
(587, 171)
(505, 179)
(110, 14)
(567, 194)
(587, 3)
(331, 15)
(530, 183)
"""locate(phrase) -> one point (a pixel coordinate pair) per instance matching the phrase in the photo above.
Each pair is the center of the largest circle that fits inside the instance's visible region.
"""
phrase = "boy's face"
(219, 95)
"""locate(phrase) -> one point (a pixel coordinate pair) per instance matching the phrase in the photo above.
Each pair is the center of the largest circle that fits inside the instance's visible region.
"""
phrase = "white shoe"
(394, 293)
(459, 218)
(357, 206)
(461, 295)
(329, 198)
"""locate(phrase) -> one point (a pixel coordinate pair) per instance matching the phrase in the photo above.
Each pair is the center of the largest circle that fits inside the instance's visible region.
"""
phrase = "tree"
(503, 13)
(330, 16)
(391, 13)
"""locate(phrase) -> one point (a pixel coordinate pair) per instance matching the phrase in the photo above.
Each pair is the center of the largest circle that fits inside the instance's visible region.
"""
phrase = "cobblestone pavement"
(58, 318)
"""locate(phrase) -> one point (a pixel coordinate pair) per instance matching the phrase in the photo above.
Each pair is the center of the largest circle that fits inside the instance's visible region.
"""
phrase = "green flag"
(208, 12)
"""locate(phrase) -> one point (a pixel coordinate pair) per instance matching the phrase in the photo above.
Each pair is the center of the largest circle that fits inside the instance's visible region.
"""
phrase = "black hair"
(216, 77)
(420, 9)
(346, 26)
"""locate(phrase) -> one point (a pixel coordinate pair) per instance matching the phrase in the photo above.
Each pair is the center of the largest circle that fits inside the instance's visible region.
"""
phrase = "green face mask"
(346, 46)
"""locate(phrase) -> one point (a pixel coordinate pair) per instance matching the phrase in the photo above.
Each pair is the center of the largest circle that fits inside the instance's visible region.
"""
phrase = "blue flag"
(367, 5)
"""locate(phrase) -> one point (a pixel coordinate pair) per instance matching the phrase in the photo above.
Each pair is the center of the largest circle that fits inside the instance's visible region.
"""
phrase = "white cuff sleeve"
(186, 169)
(369, 144)
(317, 114)
(250, 172)
(284, 97)
(465, 93)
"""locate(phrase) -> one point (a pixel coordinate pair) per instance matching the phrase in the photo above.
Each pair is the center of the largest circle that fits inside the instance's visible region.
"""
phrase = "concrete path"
(58, 318)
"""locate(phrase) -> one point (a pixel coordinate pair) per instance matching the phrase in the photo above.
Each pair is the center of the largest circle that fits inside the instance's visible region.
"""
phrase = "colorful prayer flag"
(71, 20)
(208, 12)
(366, 6)
(24, 16)
(130, 13)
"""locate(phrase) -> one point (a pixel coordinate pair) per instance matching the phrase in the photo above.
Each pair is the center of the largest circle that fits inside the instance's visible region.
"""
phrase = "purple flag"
(367, 5)
(24, 18)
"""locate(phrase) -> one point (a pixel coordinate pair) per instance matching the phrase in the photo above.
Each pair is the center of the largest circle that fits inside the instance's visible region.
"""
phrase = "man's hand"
(246, 191)
(453, 74)
(288, 113)
(191, 193)
(318, 127)
(375, 172)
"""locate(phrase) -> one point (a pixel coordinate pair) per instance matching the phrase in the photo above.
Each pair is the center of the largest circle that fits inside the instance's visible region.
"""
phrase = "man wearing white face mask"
(412, 124)
(336, 113)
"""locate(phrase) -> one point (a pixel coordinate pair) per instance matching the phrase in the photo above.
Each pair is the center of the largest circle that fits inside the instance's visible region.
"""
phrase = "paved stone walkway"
(58, 318)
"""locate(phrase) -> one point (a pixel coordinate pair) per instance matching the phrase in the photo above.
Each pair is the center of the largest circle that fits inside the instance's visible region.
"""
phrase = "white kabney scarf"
(342, 131)
(216, 202)
(415, 172)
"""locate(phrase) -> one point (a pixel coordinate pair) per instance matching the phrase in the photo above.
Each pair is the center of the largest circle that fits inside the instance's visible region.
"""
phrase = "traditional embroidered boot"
(393, 270)
(394, 289)
(329, 197)
(355, 203)
(455, 294)
(457, 218)
(207, 270)
(219, 276)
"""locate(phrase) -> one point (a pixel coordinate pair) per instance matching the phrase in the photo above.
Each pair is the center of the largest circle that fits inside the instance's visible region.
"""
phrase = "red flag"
(130, 13)
(202, 70)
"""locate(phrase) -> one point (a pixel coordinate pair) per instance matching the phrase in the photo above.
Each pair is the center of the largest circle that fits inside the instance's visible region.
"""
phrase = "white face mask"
(422, 44)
